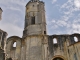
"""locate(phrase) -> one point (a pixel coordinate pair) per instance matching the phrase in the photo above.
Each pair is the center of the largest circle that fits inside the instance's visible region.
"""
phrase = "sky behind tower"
(62, 16)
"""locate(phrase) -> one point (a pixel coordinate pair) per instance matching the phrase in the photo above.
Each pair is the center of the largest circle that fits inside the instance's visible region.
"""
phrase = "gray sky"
(62, 16)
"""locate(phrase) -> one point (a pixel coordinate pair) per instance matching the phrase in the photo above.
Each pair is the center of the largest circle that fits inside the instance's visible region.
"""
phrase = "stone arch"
(11, 40)
(12, 51)
(59, 57)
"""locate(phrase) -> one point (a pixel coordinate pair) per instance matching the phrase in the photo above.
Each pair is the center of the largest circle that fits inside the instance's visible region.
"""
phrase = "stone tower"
(35, 31)
(1, 13)
(35, 23)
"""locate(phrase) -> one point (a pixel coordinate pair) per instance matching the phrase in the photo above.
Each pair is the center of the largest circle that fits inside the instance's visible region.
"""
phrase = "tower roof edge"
(31, 1)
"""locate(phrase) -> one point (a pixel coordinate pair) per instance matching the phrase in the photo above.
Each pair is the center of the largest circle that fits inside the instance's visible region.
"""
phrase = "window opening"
(44, 32)
(32, 20)
(14, 44)
(54, 41)
(75, 39)
(33, 5)
(68, 50)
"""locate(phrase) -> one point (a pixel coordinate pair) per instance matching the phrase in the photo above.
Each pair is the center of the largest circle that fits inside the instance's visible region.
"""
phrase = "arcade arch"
(58, 57)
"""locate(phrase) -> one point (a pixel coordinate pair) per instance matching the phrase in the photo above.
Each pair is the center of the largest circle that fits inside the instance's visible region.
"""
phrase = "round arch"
(58, 57)
(13, 38)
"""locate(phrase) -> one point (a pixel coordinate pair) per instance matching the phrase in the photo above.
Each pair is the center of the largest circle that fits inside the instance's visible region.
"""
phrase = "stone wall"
(61, 48)
(2, 39)
(33, 47)
(74, 51)
(2, 44)
(13, 52)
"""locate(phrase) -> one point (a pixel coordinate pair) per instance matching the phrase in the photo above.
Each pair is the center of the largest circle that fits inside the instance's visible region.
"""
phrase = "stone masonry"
(35, 44)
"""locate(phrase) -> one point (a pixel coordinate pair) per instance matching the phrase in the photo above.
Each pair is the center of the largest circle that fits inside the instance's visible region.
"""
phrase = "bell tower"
(35, 23)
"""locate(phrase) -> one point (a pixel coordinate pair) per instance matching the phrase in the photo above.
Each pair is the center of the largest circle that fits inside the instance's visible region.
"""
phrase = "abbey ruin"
(35, 44)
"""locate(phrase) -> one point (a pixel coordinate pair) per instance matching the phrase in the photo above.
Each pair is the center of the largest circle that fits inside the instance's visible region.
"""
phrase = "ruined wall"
(3, 40)
(74, 51)
(56, 48)
(74, 48)
(61, 47)
(29, 48)
(13, 52)
(2, 44)
(42, 47)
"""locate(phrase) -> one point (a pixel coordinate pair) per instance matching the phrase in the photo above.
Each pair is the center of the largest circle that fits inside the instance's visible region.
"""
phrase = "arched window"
(75, 39)
(54, 41)
(14, 44)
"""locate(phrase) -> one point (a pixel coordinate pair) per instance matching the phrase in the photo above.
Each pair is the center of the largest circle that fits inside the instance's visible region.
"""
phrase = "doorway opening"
(58, 58)
(9, 59)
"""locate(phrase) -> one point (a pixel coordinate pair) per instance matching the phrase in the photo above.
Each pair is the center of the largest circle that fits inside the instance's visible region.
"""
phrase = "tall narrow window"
(14, 44)
(33, 20)
(44, 32)
(75, 39)
(54, 41)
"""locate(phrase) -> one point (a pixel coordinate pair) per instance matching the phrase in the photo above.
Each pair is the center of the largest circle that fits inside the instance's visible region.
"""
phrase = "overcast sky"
(62, 16)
